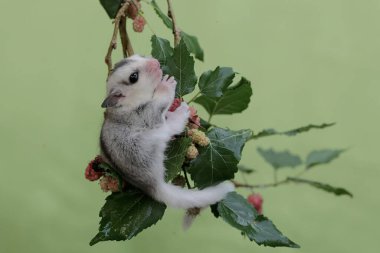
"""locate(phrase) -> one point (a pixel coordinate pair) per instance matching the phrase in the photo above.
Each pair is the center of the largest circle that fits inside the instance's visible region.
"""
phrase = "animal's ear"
(112, 99)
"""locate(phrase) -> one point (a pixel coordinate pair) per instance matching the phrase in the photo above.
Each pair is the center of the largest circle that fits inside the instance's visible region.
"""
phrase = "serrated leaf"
(175, 156)
(323, 156)
(167, 21)
(236, 211)
(161, 49)
(234, 99)
(213, 83)
(192, 44)
(181, 66)
(279, 159)
(328, 188)
(218, 161)
(267, 234)
(293, 132)
(111, 7)
(233, 140)
(125, 214)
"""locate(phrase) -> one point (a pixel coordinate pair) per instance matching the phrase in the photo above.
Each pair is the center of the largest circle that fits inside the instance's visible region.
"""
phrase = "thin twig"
(176, 30)
(186, 178)
(274, 184)
(120, 14)
(250, 186)
(125, 42)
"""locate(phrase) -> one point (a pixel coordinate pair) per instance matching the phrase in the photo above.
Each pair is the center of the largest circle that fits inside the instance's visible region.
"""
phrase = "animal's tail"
(175, 196)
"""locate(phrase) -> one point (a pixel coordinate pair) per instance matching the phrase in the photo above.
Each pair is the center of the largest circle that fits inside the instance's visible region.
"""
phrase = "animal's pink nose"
(153, 65)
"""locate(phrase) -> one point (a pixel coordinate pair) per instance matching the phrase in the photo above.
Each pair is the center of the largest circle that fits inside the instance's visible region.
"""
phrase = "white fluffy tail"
(175, 196)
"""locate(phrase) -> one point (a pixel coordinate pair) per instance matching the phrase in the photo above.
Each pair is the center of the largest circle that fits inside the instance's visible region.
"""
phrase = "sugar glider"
(138, 126)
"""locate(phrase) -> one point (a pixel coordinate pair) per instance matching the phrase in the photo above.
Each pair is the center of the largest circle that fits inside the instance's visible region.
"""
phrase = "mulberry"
(192, 152)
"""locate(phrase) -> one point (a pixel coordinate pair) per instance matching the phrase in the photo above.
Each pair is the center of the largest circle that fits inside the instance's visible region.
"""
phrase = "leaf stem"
(275, 175)
(194, 97)
(209, 119)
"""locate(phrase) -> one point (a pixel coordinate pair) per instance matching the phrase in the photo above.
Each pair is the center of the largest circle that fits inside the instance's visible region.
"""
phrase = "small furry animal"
(138, 127)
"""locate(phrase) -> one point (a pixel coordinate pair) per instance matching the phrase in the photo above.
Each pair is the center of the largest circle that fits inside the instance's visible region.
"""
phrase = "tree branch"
(125, 42)
(113, 43)
(176, 30)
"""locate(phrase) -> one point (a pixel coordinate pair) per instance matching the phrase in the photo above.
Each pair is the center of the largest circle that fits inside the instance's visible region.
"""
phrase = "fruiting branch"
(176, 30)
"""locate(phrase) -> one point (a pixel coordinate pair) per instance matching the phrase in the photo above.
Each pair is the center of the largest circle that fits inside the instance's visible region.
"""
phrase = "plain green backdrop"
(311, 61)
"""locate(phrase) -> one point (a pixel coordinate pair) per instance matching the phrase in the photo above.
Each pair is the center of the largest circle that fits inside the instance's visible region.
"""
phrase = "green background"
(310, 62)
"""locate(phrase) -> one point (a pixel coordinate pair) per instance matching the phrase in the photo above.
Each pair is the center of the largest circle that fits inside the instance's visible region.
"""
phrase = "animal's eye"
(134, 77)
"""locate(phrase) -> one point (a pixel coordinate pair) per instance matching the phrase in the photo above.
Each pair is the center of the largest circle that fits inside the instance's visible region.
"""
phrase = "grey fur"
(123, 145)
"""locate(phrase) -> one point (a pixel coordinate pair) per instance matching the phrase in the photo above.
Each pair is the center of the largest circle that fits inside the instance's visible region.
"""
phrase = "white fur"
(178, 197)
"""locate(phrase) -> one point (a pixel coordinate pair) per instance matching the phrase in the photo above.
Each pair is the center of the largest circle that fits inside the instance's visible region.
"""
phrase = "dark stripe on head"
(121, 63)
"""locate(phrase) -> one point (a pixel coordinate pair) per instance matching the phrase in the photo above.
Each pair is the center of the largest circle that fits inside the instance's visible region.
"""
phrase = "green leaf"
(192, 44)
(175, 154)
(234, 100)
(236, 211)
(232, 140)
(190, 40)
(245, 169)
(161, 49)
(328, 188)
(280, 159)
(111, 7)
(167, 21)
(213, 83)
(126, 214)
(293, 132)
(204, 124)
(181, 66)
(218, 161)
(324, 156)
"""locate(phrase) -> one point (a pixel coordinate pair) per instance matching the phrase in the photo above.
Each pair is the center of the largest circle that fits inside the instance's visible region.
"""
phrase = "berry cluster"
(198, 137)
(133, 12)
(97, 169)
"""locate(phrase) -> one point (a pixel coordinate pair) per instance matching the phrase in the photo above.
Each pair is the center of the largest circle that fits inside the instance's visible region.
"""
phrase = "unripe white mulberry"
(199, 137)
(192, 152)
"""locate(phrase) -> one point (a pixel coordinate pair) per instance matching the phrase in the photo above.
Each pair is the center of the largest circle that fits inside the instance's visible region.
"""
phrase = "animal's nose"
(153, 65)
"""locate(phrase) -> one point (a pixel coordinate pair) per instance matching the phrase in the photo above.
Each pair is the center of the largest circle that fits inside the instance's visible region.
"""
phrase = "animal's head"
(132, 82)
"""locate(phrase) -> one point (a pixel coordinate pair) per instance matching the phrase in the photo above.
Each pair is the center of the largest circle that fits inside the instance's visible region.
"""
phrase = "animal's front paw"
(178, 119)
(166, 89)
(169, 82)
(183, 110)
